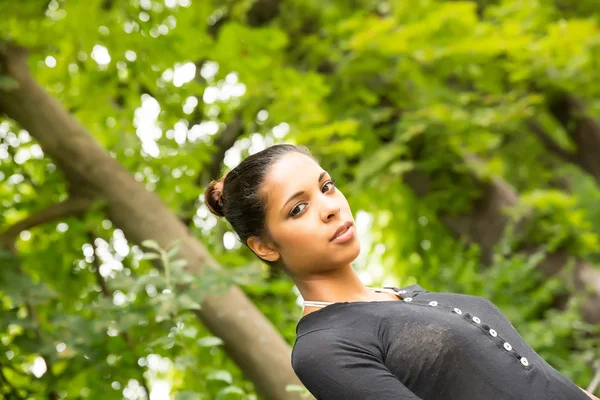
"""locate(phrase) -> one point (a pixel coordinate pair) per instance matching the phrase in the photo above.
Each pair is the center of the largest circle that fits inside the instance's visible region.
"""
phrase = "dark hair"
(237, 196)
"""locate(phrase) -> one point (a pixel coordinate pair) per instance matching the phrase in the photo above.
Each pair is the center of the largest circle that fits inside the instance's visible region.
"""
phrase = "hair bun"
(213, 197)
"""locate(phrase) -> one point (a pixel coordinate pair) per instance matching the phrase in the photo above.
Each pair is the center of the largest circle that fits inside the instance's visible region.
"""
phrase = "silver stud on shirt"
(458, 311)
(507, 346)
(476, 320)
(433, 303)
(493, 333)
(524, 361)
(402, 291)
(408, 299)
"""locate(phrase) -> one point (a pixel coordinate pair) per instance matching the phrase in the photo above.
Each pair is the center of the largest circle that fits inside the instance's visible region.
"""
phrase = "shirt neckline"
(409, 291)
(342, 303)
(386, 289)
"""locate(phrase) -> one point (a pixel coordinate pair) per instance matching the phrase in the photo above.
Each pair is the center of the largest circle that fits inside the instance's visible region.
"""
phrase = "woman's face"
(304, 211)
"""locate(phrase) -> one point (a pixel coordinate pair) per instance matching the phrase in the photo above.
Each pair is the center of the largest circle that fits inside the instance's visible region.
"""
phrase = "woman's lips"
(345, 236)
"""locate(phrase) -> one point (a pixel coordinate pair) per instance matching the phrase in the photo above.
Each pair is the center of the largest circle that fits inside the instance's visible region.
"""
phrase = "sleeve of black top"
(337, 368)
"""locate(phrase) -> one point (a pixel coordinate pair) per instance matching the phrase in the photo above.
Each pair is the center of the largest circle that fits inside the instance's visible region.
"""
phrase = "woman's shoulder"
(314, 344)
(417, 290)
(419, 294)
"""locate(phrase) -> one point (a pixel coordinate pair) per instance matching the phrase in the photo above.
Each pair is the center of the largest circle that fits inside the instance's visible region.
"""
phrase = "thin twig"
(549, 143)
(596, 379)
(71, 206)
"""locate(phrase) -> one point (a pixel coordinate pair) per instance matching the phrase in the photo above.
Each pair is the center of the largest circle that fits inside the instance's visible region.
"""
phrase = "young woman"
(359, 343)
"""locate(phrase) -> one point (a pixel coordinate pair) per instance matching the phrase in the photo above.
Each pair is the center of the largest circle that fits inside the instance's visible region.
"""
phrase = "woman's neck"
(337, 285)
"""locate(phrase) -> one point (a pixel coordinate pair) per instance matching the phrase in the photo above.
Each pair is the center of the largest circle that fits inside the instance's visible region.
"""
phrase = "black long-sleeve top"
(429, 346)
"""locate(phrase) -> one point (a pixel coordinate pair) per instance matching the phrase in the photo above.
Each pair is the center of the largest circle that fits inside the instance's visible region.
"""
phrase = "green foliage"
(555, 219)
(376, 89)
(299, 389)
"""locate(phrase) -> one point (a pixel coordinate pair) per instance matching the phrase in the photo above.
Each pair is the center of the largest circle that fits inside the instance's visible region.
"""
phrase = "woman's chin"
(349, 254)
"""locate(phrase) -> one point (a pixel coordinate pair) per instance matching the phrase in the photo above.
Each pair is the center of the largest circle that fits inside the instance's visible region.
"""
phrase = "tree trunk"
(249, 338)
(485, 225)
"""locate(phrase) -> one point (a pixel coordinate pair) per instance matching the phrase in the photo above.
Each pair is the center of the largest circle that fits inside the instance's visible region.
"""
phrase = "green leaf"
(220, 375)
(304, 392)
(209, 341)
(178, 263)
(230, 393)
(186, 302)
(151, 244)
(173, 251)
(150, 256)
(185, 362)
(165, 342)
(187, 395)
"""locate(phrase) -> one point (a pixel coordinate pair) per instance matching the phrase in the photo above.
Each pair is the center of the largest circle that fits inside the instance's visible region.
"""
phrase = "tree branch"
(71, 206)
(549, 143)
(10, 55)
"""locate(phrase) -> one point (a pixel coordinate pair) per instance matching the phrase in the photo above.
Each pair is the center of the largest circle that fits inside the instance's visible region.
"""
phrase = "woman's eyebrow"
(292, 197)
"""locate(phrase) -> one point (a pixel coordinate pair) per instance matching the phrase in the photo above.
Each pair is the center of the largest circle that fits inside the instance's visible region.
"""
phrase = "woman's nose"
(330, 209)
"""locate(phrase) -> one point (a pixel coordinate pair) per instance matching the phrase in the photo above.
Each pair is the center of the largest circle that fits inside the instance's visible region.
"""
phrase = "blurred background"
(465, 135)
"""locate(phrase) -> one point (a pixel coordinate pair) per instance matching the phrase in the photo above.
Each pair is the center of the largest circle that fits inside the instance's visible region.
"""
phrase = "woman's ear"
(264, 250)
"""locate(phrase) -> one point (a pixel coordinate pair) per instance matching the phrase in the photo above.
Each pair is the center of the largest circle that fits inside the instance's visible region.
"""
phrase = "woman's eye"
(293, 214)
(331, 182)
